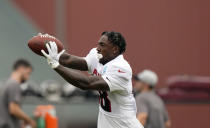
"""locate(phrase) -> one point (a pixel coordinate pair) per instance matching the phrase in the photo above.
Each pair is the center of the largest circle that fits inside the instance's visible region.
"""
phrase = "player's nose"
(98, 49)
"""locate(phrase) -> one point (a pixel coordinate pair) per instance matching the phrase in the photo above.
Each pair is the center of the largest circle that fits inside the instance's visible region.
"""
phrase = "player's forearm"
(65, 59)
(74, 77)
(142, 117)
(17, 111)
(73, 62)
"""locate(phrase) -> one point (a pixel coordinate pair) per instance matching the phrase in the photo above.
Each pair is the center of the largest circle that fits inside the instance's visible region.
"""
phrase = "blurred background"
(169, 37)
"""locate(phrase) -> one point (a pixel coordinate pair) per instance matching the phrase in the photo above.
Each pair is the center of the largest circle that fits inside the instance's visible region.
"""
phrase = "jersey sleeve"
(91, 59)
(117, 78)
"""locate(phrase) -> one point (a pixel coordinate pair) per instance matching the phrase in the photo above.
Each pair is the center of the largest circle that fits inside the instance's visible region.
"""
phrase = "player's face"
(25, 73)
(106, 48)
(139, 85)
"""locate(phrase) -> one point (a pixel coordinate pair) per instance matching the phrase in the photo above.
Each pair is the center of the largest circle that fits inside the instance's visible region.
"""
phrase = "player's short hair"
(21, 62)
(117, 39)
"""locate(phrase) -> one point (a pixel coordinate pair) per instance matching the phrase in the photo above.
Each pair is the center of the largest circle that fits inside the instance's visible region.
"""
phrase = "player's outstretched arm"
(73, 62)
(82, 81)
(74, 77)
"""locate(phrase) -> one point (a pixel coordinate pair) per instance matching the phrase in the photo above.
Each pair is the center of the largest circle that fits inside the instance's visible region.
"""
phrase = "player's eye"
(101, 44)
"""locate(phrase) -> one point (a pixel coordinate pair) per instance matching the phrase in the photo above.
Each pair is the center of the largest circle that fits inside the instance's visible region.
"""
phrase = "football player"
(111, 76)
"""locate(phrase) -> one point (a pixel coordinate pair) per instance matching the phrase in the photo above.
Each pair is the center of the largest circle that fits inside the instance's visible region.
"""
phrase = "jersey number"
(104, 101)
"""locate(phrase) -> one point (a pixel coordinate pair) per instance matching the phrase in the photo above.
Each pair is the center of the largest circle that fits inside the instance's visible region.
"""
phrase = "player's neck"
(114, 57)
(16, 76)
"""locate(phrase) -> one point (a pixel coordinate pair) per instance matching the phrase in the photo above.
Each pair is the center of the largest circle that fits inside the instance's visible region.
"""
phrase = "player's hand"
(33, 124)
(53, 56)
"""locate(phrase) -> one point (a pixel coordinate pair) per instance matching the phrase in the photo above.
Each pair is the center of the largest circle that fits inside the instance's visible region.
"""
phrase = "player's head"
(23, 68)
(146, 79)
(110, 45)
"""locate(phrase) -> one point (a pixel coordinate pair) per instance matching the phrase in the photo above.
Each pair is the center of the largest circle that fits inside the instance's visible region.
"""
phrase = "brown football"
(37, 43)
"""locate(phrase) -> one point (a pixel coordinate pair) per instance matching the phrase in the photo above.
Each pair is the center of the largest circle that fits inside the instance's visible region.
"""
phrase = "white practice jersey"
(118, 105)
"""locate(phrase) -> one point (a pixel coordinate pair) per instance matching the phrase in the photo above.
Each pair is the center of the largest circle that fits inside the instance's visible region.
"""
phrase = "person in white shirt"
(111, 76)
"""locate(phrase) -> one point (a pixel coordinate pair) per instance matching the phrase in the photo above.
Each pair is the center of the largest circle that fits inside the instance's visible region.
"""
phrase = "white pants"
(105, 121)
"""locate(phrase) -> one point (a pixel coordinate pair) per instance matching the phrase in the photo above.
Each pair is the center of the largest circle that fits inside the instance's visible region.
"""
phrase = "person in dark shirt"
(10, 97)
(151, 111)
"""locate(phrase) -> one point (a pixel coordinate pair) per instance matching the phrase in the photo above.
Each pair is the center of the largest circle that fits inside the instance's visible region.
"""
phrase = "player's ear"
(115, 49)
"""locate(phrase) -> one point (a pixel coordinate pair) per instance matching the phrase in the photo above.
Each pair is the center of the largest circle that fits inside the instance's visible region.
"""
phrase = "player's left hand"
(53, 56)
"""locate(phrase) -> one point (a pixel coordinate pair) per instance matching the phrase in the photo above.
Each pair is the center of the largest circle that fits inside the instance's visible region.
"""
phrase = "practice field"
(169, 38)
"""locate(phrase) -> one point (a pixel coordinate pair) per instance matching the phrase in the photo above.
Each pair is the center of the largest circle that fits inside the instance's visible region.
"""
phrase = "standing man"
(151, 111)
(111, 77)
(10, 97)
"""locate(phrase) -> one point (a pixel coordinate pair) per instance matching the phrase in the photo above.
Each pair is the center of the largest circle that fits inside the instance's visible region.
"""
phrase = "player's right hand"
(53, 56)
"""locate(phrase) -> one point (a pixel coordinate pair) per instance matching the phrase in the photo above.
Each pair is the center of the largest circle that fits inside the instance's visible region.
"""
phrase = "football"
(37, 43)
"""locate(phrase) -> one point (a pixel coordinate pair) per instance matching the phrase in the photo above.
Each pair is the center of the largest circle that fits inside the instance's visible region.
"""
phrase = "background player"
(151, 111)
(112, 78)
(10, 97)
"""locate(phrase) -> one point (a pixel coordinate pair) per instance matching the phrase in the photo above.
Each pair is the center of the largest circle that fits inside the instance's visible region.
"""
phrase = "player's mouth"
(99, 56)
